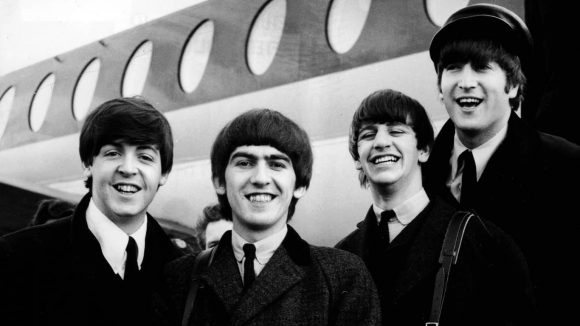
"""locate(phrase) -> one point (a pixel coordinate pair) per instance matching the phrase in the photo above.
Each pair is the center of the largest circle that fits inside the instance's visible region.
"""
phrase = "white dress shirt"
(113, 240)
(265, 249)
(481, 156)
(406, 212)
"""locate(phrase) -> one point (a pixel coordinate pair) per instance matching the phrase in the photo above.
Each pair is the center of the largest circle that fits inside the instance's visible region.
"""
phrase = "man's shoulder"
(555, 145)
(336, 259)
(51, 234)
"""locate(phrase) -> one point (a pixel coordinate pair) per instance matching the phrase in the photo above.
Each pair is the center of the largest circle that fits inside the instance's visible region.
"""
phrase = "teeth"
(126, 188)
(261, 198)
(468, 101)
(388, 158)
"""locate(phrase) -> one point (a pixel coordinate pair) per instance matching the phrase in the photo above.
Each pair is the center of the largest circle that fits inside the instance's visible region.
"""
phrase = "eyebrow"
(272, 157)
(139, 147)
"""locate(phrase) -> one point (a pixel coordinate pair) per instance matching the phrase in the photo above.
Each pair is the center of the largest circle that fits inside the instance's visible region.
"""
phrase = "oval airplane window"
(265, 36)
(439, 10)
(346, 20)
(41, 102)
(85, 89)
(5, 106)
(137, 70)
(196, 56)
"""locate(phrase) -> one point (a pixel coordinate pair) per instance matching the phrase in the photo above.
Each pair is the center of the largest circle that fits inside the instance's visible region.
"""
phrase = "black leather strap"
(200, 265)
(448, 257)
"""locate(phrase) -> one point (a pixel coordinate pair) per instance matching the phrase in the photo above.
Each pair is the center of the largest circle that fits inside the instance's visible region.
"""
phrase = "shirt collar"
(407, 210)
(481, 154)
(265, 248)
(113, 240)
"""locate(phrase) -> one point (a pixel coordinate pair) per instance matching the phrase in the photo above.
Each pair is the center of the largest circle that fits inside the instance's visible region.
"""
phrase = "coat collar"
(423, 256)
(507, 166)
(427, 228)
(285, 269)
(87, 251)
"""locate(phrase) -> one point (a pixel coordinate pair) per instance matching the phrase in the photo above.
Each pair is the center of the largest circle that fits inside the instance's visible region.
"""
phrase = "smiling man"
(402, 234)
(100, 266)
(517, 177)
(262, 272)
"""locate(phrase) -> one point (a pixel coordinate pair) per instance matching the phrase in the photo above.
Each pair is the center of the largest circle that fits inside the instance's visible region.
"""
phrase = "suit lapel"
(278, 276)
(438, 167)
(158, 250)
(423, 255)
(223, 276)
(507, 165)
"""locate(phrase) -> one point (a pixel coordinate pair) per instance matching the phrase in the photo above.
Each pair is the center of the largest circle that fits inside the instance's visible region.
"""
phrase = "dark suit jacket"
(300, 285)
(56, 274)
(528, 189)
(490, 284)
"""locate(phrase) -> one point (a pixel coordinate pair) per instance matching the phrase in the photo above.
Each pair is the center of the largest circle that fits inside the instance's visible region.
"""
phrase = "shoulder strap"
(447, 258)
(200, 265)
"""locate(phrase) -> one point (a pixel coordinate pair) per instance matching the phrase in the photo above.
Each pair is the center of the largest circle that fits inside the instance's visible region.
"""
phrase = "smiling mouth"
(468, 102)
(126, 189)
(385, 159)
(260, 198)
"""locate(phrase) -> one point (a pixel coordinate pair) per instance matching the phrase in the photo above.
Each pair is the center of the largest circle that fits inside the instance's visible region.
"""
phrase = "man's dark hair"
(211, 213)
(263, 127)
(388, 106)
(129, 120)
(479, 53)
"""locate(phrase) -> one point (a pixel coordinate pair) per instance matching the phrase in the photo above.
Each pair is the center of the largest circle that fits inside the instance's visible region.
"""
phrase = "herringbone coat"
(300, 285)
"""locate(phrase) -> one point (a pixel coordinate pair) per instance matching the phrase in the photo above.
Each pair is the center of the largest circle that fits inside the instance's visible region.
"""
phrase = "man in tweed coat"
(261, 166)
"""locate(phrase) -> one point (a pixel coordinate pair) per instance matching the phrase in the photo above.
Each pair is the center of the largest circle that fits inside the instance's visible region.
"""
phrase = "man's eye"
(147, 158)
(111, 154)
(366, 135)
(243, 163)
(278, 165)
(453, 66)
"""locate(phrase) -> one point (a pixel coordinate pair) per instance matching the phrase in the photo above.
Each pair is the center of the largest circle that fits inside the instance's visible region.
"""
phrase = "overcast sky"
(34, 30)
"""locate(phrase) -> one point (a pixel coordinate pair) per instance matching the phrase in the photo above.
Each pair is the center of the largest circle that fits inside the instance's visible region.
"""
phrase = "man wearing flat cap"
(487, 159)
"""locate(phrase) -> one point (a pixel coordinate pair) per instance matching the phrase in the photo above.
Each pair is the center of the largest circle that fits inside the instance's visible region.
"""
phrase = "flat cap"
(485, 21)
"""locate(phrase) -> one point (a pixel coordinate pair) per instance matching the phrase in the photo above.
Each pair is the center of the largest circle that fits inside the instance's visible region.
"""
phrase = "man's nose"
(128, 165)
(260, 174)
(467, 78)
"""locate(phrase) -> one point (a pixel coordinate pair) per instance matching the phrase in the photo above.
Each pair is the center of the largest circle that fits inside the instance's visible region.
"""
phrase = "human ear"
(86, 172)
(299, 192)
(220, 189)
(357, 165)
(513, 91)
(424, 155)
(163, 179)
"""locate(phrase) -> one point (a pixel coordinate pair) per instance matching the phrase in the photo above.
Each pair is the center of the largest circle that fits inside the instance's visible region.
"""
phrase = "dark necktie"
(469, 179)
(131, 268)
(386, 216)
(249, 272)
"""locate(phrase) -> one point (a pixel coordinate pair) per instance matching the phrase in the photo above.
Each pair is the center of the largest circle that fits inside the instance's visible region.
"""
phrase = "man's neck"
(390, 196)
(256, 234)
(475, 138)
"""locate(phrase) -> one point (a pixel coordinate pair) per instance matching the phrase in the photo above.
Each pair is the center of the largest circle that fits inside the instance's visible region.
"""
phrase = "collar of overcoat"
(286, 268)
(423, 257)
(508, 166)
(87, 254)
